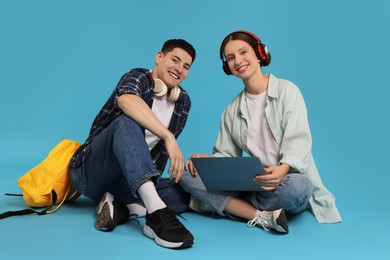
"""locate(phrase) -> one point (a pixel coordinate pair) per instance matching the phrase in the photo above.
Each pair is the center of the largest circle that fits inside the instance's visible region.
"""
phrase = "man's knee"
(128, 123)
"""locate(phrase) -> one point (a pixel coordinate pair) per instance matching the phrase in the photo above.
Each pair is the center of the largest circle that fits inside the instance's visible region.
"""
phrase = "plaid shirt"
(138, 82)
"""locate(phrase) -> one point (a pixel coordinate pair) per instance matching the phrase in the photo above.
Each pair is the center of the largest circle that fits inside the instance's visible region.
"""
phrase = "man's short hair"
(179, 43)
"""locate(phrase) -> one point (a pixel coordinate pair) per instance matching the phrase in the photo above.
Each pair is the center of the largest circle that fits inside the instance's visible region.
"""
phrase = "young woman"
(268, 119)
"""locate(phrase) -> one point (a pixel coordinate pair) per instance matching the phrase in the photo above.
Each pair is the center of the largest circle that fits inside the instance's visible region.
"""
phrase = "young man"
(129, 144)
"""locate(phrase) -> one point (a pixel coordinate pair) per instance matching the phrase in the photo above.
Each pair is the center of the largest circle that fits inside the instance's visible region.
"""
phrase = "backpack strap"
(74, 196)
(59, 205)
(31, 211)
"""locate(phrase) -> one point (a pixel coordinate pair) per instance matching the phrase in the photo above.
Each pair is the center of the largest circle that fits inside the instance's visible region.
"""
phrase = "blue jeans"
(119, 161)
(292, 194)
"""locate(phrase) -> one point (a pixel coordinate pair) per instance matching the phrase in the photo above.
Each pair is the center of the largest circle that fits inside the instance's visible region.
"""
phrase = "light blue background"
(60, 60)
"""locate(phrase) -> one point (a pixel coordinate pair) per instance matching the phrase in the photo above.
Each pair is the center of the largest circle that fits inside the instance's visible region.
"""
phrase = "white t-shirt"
(260, 140)
(163, 110)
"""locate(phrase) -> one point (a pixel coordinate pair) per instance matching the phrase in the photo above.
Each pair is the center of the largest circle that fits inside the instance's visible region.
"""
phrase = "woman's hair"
(252, 40)
(179, 43)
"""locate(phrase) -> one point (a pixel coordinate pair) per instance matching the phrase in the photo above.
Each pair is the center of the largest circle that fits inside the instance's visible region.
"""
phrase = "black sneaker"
(167, 231)
(110, 213)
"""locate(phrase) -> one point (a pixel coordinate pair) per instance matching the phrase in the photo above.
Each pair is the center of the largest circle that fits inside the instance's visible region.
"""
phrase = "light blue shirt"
(287, 118)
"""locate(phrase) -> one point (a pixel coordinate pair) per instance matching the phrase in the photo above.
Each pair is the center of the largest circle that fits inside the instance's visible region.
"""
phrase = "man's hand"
(176, 166)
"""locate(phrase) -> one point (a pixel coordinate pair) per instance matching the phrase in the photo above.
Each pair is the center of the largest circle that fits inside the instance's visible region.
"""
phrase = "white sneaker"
(270, 220)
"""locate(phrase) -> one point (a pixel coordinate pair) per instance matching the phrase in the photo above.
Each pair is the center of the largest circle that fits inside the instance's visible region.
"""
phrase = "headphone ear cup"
(225, 68)
(267, 55)
(160, 89)
(174, 95)
(267, 60)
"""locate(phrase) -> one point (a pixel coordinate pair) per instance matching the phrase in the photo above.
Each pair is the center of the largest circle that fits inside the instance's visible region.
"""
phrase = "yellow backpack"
(48, 183)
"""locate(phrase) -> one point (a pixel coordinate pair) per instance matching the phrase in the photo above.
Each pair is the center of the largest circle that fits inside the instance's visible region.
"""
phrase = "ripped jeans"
(292, 194)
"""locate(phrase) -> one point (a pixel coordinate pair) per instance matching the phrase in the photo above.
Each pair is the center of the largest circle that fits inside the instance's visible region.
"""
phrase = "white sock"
(136, 210)
(149, 196)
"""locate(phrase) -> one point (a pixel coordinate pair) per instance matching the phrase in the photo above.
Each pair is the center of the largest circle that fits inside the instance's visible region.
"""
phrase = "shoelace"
(170, 218)
(263, 221)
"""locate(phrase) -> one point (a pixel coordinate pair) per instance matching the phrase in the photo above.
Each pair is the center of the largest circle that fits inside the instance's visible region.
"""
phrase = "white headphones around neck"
(160, 89)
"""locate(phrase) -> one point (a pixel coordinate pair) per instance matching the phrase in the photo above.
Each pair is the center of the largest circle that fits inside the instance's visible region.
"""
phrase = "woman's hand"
(190, 166)
(273, 177)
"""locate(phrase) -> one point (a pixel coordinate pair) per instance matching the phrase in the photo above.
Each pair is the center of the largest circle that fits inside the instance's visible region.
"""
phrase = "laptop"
(229, 173)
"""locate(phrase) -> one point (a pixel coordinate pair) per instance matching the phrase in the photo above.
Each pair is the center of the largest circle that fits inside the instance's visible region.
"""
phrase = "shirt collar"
(272, 87)
(272, 92)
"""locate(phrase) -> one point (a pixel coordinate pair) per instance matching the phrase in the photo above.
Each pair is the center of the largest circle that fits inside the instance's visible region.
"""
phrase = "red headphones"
(261, 51)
